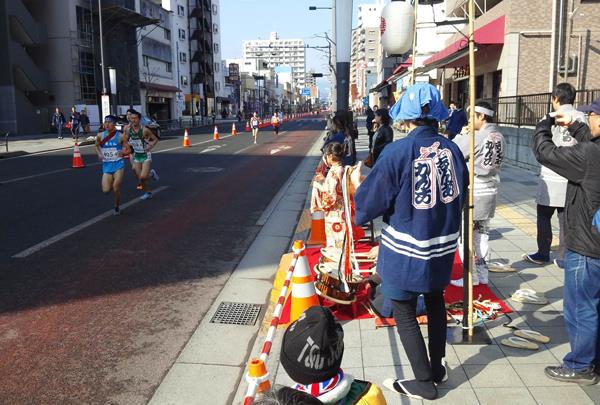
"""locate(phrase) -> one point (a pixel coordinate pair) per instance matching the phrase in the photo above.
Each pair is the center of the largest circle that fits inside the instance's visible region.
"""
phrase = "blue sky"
(252, 19)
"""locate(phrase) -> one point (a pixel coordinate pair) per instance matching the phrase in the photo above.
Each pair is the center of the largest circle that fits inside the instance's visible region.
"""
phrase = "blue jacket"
(419, 186)
(456, 121)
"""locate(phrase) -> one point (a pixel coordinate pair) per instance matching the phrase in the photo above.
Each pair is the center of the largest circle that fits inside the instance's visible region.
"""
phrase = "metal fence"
(528, 109)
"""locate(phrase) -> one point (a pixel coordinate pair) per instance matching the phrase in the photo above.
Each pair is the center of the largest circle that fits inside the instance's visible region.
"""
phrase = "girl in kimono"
(330, 198)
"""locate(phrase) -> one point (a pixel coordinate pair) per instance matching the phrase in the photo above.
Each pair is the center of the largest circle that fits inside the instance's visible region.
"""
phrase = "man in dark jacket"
(58, 121)
(369, 125)
(580, 165)
(457, 119)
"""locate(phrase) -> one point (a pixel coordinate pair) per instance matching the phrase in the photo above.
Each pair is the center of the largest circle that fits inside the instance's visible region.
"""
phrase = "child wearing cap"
(311, 354)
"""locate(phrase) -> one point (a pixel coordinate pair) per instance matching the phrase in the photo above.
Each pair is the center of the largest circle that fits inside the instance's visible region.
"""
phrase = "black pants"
(371, 133)
(410, 335)
(544, 230)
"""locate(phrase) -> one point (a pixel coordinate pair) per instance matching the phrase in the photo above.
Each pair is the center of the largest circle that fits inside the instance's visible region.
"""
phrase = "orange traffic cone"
(247, 126)
(257, 372)
(233, 130)
(77, 159)
(186, 139)
(304, 294)
(216, 134)
(317, 229)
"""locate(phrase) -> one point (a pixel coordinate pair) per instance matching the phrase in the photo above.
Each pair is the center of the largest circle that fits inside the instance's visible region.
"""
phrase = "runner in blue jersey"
(111, 145)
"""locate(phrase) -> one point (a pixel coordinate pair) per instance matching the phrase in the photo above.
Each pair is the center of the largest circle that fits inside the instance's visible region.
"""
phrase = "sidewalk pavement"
(478, 374)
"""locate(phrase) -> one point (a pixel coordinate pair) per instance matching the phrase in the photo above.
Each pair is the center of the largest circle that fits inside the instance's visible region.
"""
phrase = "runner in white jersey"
(254, 122)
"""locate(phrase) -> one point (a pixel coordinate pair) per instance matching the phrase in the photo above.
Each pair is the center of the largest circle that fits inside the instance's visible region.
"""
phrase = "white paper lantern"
(397, 22)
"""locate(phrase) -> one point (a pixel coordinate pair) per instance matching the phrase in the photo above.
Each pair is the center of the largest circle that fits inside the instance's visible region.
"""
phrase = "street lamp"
(333, 51)
(312, 8)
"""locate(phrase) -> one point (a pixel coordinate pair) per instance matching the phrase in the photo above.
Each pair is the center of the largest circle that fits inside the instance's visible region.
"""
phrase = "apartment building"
(277, 52)
(364, 56)
(202, 56)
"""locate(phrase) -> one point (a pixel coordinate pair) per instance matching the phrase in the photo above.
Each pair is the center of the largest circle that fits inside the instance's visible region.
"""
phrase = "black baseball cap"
(588, 108)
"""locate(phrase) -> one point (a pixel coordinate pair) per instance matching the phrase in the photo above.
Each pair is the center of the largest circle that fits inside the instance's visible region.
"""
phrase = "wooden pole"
(413, 76)
(469, 258)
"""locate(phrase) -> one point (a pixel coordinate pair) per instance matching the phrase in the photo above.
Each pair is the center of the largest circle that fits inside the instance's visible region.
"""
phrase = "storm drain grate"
(236, 313)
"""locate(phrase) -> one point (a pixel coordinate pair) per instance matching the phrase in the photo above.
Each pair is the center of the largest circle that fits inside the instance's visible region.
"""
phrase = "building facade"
(51, 58)
(202, 66)
(364, 56)
(277, 52)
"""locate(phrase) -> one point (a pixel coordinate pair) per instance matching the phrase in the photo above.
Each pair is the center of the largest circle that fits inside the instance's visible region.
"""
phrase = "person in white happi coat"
(552, 188)
(490, 149)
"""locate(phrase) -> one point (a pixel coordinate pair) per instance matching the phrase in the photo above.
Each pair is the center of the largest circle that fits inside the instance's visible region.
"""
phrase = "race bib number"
(137, 145)
(432, 173)
(110, 154)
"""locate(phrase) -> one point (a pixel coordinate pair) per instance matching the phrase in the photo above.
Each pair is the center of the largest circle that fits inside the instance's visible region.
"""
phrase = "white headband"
(483, 110)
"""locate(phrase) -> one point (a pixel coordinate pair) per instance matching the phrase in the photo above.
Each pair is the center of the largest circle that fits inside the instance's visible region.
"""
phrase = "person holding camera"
(580, 165)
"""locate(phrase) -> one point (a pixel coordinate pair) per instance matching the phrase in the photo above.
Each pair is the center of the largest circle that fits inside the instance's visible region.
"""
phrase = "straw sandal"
(528, 296)
(532, 335)
(497, 267)
(519, 343)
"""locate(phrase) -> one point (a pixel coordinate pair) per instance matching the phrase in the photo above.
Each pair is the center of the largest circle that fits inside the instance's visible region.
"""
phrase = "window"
(87, 83)
(181, 33)
(216, 46)
(169, 67)
(182, 57)
(217, 86)
(167, 33)
(181, 10)
(214, 9)
(216, 67)
(215, 29)
(84, 24)
(146, 60)
(184, 80)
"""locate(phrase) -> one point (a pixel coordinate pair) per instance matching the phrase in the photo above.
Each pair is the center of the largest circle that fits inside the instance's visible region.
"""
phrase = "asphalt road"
(100, 314)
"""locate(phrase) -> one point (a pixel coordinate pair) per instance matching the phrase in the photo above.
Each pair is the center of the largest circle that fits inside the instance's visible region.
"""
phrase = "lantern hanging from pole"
(396, 26)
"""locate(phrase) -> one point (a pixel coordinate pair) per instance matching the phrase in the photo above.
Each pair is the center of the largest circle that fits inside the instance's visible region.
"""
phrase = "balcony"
(28, 76)
(23, 27)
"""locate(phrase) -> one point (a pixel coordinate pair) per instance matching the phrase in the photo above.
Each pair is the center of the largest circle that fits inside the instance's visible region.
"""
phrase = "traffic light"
(317, 75)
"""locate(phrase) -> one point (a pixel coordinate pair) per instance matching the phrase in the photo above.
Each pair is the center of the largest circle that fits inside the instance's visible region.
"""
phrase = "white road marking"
(79, 227)
(280, 149)
(213, 148)
(92, 164)
(42, 174)
(237, 152)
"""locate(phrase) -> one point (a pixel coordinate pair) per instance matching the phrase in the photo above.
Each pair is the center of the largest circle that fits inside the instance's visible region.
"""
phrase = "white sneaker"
(459, 282)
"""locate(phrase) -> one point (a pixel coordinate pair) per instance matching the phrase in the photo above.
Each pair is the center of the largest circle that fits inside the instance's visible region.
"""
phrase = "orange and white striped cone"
(216, 134)
(303, 294)
(77, 159)
(233, 130)
(186, 139)
(257, 374)
(247, 126)
(317, 229)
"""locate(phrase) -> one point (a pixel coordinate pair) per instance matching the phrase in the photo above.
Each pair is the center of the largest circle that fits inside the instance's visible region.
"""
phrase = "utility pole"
(343, 45)
(334, 84)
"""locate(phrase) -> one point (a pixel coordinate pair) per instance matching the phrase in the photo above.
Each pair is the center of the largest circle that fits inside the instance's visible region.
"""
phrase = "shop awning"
(490, 34)
(159, 87)
(400, 71)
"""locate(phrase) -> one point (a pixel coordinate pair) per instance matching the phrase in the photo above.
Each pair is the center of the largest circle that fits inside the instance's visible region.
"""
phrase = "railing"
(528, 110)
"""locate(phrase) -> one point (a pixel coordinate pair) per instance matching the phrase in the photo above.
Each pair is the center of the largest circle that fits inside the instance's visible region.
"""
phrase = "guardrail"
(529, 109)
